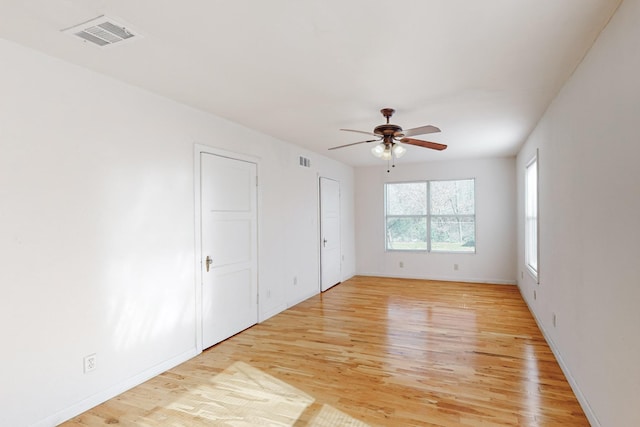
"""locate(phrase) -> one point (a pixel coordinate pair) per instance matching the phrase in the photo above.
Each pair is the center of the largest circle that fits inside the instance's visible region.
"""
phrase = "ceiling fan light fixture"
(386, 154)
(398, 150)
(378, 150)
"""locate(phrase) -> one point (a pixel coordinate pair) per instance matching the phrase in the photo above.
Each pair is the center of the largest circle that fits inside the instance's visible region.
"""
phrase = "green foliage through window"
(434, 216)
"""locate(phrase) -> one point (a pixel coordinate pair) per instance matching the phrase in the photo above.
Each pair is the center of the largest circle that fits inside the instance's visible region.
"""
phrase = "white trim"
(582, 399)
(534, 273)
(198, 149)
(111, 392)
(304, 297)
(197, 250)
(442, 278)
(272, 312)
(318, 234)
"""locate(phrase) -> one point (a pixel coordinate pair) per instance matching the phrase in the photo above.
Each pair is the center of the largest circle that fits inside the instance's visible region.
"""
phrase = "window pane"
(407, 233)
(531, 217)
(531, 245)
(452, 197)
(453, 234)
(407, 198)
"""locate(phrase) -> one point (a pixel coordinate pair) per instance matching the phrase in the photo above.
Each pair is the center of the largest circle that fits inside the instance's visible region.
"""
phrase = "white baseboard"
(279, 309)
(442, 278)
(272, 312)
(111, 392)
(584, 403)
(298, 300)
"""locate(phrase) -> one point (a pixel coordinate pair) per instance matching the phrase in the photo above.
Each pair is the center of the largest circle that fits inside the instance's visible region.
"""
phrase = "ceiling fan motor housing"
(388, 130)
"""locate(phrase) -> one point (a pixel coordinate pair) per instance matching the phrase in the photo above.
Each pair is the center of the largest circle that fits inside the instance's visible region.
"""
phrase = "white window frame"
(428, 216)
(531, 217)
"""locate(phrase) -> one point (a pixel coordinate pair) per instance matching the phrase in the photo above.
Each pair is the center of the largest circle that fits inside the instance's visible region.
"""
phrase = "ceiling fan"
(389, 136)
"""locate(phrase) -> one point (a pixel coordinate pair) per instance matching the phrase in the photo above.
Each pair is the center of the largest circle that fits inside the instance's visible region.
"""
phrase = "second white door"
(330, 252)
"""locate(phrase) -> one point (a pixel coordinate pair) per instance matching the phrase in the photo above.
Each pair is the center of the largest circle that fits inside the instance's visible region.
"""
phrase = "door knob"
(324, 242)
(207, 262)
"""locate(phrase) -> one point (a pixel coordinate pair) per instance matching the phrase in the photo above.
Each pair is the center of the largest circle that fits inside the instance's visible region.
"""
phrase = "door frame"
(199, 149)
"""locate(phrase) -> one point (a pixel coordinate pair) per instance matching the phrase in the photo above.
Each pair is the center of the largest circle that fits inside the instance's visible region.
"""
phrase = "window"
(453, 220)
(531, 217)
(432, 216)
(407, 216)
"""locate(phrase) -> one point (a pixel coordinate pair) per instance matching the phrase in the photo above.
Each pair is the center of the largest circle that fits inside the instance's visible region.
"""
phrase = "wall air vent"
(103, 31)
(305, 162)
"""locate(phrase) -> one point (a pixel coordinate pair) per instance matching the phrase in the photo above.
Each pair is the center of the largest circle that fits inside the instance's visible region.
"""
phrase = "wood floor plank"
(385, 352)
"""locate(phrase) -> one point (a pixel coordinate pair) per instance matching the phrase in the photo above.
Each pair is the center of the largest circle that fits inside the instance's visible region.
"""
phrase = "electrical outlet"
(534, 294)
(455, 267)
(401, 264)
(522, 274)
(89, 363)
(553, 320)
(295, 280)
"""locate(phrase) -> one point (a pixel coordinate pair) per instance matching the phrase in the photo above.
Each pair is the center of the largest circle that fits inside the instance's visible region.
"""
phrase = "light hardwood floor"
(387, 352)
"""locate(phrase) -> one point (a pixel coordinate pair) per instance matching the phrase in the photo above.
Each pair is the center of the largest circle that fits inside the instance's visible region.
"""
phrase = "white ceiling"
(483, 71)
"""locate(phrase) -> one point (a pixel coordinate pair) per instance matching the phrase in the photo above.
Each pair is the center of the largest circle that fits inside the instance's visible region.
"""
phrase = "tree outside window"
(434, 216)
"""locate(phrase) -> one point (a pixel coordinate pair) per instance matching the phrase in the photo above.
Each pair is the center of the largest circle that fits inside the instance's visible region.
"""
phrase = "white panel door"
(330, 256)
(229, 247)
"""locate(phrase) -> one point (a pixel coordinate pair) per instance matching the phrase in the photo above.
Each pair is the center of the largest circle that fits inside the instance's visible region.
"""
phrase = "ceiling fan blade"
(354, 143)
(359, 131)
(422, 130)
(425, 144)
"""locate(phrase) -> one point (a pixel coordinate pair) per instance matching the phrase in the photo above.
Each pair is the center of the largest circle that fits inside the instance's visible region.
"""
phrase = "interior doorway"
(330, 247)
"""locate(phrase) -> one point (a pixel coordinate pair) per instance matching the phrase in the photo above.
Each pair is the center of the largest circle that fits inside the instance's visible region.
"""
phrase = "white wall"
(589, 201)
(97, 232)
(494, 260)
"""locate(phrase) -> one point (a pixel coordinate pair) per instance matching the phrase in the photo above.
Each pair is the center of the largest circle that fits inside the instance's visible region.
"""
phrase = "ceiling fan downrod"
(387, 112)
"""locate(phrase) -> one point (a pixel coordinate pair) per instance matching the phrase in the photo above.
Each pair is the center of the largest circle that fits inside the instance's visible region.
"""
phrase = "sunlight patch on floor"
(331, 417)
(245, 396)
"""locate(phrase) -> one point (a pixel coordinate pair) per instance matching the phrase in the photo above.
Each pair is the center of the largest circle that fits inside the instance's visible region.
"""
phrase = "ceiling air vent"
(103, 31)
